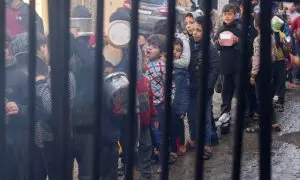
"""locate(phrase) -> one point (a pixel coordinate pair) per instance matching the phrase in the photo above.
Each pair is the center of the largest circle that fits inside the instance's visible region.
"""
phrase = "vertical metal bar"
(59, 60)
(168, 89)
(2, 88)
(98, 86)
(264, 86)
(202, 96)
(31, 88)
(132, 118)
(241, 101)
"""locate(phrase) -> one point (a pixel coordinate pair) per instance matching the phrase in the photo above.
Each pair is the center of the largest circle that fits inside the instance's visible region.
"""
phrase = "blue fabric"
(192, 120)
(181, 99)
(192, 115)
(111, 126)
(157, 134)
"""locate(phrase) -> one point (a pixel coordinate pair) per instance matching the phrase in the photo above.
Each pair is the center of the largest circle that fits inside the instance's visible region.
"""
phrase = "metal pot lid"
(119, 33)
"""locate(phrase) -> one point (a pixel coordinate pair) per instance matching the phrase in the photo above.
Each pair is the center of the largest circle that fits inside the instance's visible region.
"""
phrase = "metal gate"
(58, 38)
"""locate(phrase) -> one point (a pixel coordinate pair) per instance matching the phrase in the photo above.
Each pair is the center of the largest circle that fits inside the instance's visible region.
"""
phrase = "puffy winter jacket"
(181, 99)
(196, 66)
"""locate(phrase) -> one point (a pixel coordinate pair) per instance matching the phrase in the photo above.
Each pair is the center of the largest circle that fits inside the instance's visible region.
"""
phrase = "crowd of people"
(223, 68)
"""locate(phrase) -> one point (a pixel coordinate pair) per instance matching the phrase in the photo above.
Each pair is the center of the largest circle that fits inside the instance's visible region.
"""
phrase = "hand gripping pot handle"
(116, 91)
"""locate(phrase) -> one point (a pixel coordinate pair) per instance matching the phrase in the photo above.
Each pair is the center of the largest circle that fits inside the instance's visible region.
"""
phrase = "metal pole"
(98, 89)
(2, 88)
(168, 90)
(31, 88)
(241, 101)
(265, 97)
(132, 116)
(59, 60)
(202, 96)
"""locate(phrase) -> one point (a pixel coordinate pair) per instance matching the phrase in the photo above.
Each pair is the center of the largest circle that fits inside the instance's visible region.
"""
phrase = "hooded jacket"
(230, 56)
(181, 99)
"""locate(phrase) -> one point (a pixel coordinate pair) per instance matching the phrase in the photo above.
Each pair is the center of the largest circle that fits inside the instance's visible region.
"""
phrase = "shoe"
(159, 170)
(275, 100)
(224, 120)
(121, 168)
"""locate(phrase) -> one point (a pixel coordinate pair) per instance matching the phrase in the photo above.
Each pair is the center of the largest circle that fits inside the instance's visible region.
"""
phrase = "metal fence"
(59, 38)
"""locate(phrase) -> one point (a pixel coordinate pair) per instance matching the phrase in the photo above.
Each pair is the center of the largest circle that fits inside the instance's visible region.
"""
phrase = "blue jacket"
(181, 99)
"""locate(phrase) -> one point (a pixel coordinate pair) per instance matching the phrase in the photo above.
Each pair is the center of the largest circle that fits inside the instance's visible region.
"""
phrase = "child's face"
(229, 17)
(197, 32)
(189, 22)
(177, 51)
(152, 52)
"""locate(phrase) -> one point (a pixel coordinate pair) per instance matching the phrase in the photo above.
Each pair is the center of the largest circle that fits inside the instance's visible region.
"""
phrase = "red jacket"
(147, 109)
(17, 20)
(13, 22)
(295, 26)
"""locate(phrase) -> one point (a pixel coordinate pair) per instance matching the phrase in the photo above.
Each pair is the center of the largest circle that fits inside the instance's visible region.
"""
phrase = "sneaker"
(121, 169)
(275, 100)
(224, 120)
(159, 170)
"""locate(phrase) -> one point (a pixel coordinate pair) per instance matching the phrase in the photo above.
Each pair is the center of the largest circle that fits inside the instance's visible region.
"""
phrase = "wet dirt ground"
(285, 150)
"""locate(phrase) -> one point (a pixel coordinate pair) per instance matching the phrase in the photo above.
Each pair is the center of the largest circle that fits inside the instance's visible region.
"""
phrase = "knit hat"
(122, 14)
(19, 44)
(194, 14)
(81, 11)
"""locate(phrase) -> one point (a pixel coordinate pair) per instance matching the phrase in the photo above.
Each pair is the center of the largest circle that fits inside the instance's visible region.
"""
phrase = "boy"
(256, 68)
(156, 72)
(181, 100)
(229, 62)
(195, 70)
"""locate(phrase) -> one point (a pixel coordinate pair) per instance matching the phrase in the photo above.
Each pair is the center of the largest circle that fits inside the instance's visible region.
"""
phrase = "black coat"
(230, 56)
(196, 67)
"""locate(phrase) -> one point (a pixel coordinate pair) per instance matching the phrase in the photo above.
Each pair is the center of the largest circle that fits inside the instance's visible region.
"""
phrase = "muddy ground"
(285, 150)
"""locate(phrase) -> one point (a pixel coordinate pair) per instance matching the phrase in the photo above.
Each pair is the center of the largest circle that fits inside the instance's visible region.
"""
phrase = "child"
(195, 70)
(256, 68)
(156, 72)
(229, 62)
(279, 64)
(181, 100)
(147, 115)
(189, 23)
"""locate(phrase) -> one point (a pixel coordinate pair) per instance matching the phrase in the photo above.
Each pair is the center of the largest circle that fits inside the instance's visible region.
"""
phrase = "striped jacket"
(43, 131)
